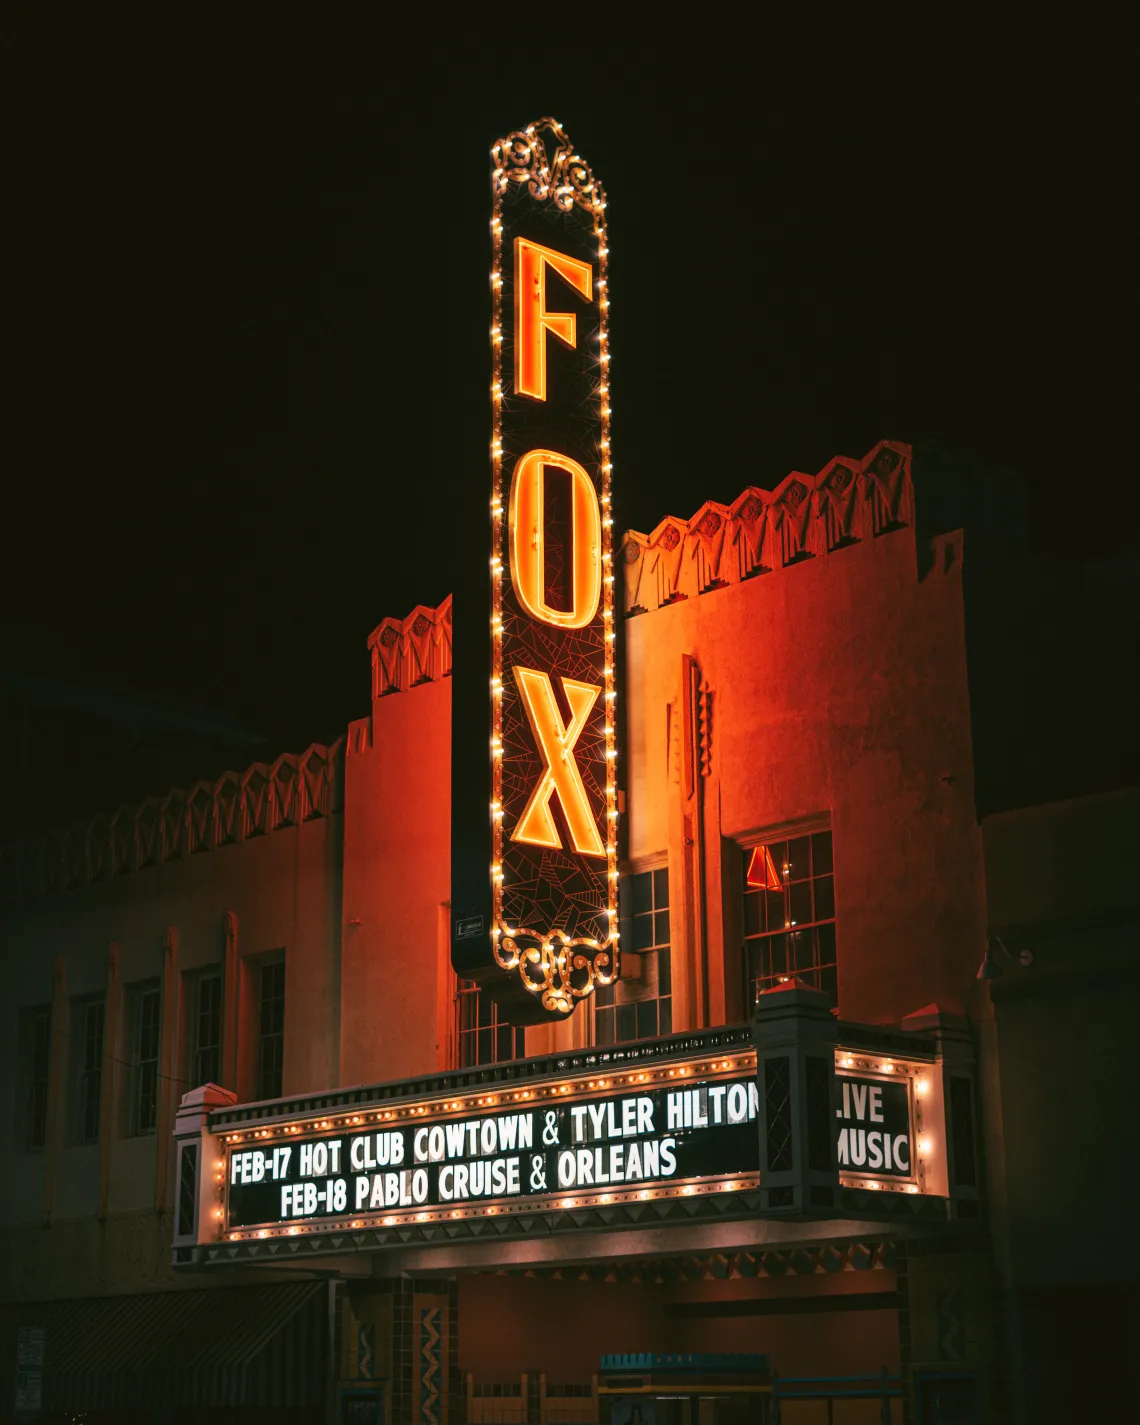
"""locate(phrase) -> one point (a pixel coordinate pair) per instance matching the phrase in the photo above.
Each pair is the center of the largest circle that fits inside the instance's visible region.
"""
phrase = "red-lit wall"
(836, 687)
(395, 972)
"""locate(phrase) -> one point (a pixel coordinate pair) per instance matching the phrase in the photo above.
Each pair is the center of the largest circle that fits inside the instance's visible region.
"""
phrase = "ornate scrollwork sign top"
(565, 178)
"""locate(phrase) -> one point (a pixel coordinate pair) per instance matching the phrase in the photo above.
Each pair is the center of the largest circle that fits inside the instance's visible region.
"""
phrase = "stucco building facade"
(797, 788)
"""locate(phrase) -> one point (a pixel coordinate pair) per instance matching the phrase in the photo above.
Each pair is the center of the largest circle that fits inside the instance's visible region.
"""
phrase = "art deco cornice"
(238, 806)
(805, 516)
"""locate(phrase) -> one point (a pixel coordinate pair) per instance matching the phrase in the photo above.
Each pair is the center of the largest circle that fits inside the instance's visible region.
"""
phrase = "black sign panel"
(875, 1128)
(551, 801)
(706, 1130)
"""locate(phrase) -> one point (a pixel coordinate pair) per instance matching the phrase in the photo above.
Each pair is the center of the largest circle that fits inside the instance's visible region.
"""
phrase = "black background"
(246, 332)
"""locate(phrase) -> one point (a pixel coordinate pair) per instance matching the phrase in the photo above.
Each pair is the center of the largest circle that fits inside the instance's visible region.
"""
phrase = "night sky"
(247, 410)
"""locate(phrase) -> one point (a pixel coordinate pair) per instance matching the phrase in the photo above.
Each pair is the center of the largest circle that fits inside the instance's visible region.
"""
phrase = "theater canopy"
(793, 1116)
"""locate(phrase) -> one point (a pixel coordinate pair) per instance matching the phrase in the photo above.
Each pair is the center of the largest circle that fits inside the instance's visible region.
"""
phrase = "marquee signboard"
(551, 932)
(669, 1131)
(619, 1142)
(875, 1134)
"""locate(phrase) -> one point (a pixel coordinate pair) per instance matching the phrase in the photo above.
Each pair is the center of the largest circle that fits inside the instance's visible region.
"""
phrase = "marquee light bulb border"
(569, 1092)
(561, 969)
(917, 1075)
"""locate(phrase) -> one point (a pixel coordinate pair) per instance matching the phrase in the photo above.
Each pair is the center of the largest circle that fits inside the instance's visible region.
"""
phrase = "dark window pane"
(148, 1097)
(641, 893)
(93, 1038)
(628, 1009)
(754, 959)
(799, 858)
(664, 973)
(36, 1049)
(41, 1053)
(829, 982)
(647, 1019)
(754, 914)
(603, 996)
(792, 930)
(147, 1015)
(666, 1015)
(208, 1030)
(271, 1042)
(775, 910)
(799, 903)
(90, 1086)
(482, 1037)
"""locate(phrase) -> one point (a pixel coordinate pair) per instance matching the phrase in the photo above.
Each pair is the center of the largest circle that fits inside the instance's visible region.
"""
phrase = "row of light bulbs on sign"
(530, 1205)
(643, 1076)
(497, 568)
(925, 1142)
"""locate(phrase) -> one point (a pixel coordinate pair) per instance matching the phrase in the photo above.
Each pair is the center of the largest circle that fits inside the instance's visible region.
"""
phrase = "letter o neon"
(527, 546)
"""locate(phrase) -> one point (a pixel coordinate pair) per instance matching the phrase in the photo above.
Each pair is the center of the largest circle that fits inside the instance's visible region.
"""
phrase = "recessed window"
(89, 1057)
(35, 1063)
(639, 1006)
(206, 1030)
(482, 1035)
(789, 914)
(144, 1024)
(271, 1029)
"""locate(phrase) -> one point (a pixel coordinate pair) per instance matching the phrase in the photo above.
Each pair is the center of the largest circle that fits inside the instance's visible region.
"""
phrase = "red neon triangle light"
(762, 871)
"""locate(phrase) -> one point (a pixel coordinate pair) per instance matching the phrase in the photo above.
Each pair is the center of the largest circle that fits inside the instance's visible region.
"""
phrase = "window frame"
(651, 866)
(468, 992)
(31, 1111)
(786, 831)
(193, 982)
(138, 994)
(276, 964)
(88, 1051)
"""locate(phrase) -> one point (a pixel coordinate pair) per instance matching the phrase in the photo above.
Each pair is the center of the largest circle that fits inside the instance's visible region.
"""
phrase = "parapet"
(413, 650)
(849, 501)
(237, 807)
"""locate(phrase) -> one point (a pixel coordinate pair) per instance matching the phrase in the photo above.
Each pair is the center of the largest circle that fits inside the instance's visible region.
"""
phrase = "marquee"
(672, 1130)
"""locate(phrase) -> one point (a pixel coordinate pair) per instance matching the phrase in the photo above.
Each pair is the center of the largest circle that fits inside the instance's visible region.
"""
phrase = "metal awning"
(229, 1346)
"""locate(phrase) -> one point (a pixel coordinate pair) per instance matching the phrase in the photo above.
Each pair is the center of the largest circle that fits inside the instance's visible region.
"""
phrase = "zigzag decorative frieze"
(806, 515)
(237, 807)
(814, 1260)
(413, 650)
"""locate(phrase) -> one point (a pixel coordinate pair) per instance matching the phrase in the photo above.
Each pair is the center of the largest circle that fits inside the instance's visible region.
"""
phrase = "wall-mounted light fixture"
(991, 967)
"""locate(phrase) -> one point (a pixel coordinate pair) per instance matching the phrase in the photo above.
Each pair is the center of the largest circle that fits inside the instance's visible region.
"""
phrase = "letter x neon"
(560, 772)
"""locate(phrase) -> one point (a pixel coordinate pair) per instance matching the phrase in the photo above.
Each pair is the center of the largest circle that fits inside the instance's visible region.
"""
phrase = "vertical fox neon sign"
(553, 932)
